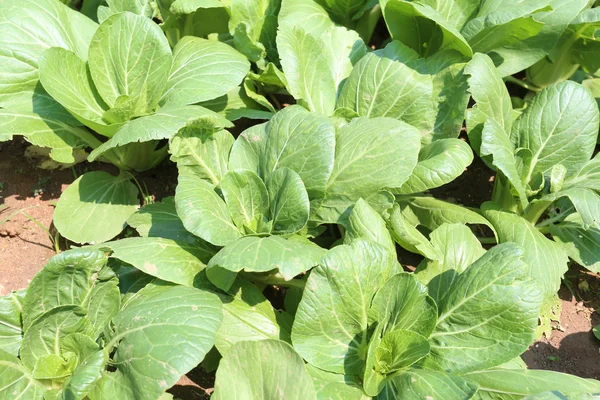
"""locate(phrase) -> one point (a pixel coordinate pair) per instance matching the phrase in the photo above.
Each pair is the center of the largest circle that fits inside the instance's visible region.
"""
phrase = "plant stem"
(522, 84)
(486, 240)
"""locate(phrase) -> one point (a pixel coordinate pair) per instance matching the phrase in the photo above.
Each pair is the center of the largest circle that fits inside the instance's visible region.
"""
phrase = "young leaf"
(80, 203)
(503, 329)
(246, 197)
(267, 369)
(163, 258)
(129, 55)
(330, 329)
(197, 71)
(84, 377)
(399, 349)
(288, 201)
(365, 223)
(188, 317)
(203, 212)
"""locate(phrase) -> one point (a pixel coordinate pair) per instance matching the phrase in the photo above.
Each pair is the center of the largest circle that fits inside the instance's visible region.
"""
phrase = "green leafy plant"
(78, 332)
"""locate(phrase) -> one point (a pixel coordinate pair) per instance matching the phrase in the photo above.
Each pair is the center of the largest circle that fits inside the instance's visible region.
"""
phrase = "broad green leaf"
(247, 315)
(16, 381)
(140, 7)
(11, 331)
(130, 56)
(246, 197)
(163, 332)
(164, 124)
(334, 386)
(307, 70)
(288, 201)
(237, 104)
(44, 335)
(262, 254)
(405, 233)
(382, 87)
(587, 177)
(254, 28)
(514, 384)
(203, 212)
(60, 137)
(585, 201)
(400, 349)
(566, 135)
(492, 101)
(458, 248)
(458, 12)
(308, 14)
(95, 196)
(547, 260)
(420, 384)
(41, 24)
(248, 149)
(202, 149)
(69, 278)
(402, 303)
(496, 143)
(303, 142)
(435, 33)
(344, 49)
(393, 143)
(66, 78)
(203, 70)
(343, 12)
(365, 223)
(439, 163)
(266, 369)
(582, 245)
(503, 329)
(160, 220)
(165, 259)
(330, 328)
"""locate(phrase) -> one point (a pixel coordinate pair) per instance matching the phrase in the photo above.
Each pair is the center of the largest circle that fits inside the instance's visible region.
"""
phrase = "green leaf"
(268, 369)
(403, 19)
(582, 245)
(295, 13)
(303, 142)
(330, 328)
(69, 278)
(42, 24)
(66, 78)
(43, 337)
(246, 197)
(130, 56)
(587, 177)
(334, 386)
(160, 220)
(383, 87)
(144, 359)
(400, 349)
(458, 248)
(439, 163)
(203, 70)
(402, 303)
(288, 201)
(84, 377)
(203, 212)
(164, 124)
(419, 384)
(586, 202)
(263, 254)
(517, 383)
(307, 70)
(365, 223)
(247, 315)
(202, 149)
(17, 381)
(404, 232)
(163, 258)
(547, 260)
(254, 28)
(565, 136)
(492, 101)
(237, 104)
(248, 149)
(503, 329)
(393, 143)
(95, 196)
(11, 331)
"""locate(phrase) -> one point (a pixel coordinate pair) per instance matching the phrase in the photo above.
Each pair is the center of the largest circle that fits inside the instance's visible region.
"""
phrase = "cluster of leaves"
(314, 201)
